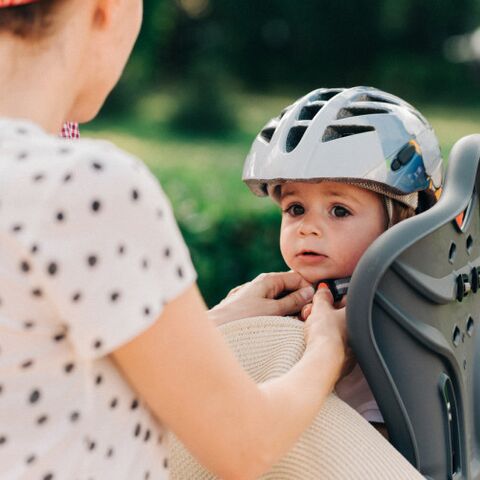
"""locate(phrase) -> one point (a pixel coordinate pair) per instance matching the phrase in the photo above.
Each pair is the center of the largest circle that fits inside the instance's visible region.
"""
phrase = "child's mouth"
(311, 252)
(310, 256)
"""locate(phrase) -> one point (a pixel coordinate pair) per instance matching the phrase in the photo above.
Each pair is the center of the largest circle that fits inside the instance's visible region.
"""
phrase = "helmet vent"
(267, 133)
(294, 136)
(333, 132)
(367, 97)
(310, 110)
(358, 111)
(325, 95)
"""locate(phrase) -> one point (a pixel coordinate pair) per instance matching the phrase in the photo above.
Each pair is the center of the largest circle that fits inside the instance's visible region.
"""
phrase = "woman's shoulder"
(25, 147)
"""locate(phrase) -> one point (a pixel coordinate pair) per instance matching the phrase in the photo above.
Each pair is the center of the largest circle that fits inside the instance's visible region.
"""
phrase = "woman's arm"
(186, 373)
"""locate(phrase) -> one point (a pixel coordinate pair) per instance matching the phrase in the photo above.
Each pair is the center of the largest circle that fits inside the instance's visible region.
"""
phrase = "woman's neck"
(35, 84)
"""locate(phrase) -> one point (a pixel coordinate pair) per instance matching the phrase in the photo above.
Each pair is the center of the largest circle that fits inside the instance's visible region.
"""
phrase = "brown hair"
(31, 21)
(426, 200)
(400, 212)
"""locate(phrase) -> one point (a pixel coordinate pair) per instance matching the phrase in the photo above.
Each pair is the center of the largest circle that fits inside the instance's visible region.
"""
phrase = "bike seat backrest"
(413, 314)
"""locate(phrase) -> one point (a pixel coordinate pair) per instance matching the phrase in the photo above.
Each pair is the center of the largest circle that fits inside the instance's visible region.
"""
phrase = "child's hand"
(326, 320)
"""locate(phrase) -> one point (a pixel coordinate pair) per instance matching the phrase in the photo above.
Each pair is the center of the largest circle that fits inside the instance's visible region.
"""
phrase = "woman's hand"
(326, 320)
(282, 293)
(307, 309)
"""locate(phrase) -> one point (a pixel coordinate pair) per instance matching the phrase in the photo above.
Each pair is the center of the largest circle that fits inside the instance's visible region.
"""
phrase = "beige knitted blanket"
(339, 445)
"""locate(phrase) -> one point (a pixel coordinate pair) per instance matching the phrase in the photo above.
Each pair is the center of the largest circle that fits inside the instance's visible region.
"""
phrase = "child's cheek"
(286, 249)
(350, 261)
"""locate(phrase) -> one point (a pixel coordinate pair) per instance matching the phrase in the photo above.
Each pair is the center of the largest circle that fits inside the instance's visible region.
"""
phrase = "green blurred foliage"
(279, 45)
(203, 106)
(234, 250)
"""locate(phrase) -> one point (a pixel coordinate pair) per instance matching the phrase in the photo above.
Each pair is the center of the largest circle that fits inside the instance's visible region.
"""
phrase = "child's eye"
(295, 210)
(340, 212)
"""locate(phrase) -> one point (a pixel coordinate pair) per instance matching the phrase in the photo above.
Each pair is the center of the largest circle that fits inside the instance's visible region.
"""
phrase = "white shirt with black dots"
(89, 255)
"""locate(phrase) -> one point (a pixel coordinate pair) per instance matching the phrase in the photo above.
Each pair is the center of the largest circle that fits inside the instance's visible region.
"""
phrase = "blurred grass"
(451, 123)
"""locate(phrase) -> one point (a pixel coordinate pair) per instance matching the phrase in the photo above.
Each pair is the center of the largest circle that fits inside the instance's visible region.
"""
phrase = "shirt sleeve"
(110, 253)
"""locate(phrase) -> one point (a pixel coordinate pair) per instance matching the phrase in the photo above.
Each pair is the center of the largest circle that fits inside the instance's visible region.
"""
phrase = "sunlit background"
(206, 75)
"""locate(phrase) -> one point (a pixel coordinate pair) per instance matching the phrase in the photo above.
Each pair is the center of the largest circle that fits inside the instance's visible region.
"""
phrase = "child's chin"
(314, 278)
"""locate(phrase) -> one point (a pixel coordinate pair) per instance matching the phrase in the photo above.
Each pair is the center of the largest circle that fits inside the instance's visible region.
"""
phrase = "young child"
(344, 165)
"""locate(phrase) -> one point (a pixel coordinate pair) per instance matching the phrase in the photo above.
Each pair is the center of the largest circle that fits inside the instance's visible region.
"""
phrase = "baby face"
(327, 226)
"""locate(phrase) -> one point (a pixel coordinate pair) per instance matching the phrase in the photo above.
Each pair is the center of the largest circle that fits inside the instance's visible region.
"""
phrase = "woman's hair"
(31, 21)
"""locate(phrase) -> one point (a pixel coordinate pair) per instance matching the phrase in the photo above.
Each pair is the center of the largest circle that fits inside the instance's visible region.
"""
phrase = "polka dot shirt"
(89, 255)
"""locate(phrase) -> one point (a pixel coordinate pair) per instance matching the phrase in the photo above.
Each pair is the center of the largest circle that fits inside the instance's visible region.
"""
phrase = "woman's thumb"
(323, 295)
(293, 302)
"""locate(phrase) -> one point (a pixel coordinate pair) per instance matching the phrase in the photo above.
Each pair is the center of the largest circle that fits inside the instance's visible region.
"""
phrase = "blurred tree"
(280, 44)
(203, 105)
(422, 26)
(412, 61)
(275, 42)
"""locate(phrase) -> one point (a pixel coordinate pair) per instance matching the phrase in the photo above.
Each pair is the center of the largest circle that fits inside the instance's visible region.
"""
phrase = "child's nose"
(311, 225)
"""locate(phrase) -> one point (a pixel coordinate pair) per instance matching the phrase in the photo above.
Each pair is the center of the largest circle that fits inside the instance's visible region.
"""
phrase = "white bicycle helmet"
(358, 135)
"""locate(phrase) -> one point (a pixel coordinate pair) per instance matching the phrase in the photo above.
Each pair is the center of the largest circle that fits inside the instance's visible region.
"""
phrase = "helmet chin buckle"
(337, 286)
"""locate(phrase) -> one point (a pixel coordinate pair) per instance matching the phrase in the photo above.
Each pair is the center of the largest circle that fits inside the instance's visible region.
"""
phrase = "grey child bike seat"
(413, 316)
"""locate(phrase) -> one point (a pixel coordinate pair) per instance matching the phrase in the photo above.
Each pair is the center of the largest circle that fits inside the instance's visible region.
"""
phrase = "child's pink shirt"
(354, 390)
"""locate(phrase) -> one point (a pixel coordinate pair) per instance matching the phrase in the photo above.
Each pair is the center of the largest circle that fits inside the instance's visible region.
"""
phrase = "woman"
(104, 337)
(98, 299)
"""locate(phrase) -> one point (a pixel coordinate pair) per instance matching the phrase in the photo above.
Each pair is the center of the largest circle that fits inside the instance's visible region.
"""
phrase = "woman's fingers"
(323, 298)
(274, 284)
(263, 296)
(236, 289)
(294, 302)
(342, 303)
(306, 311)
(327, 320)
